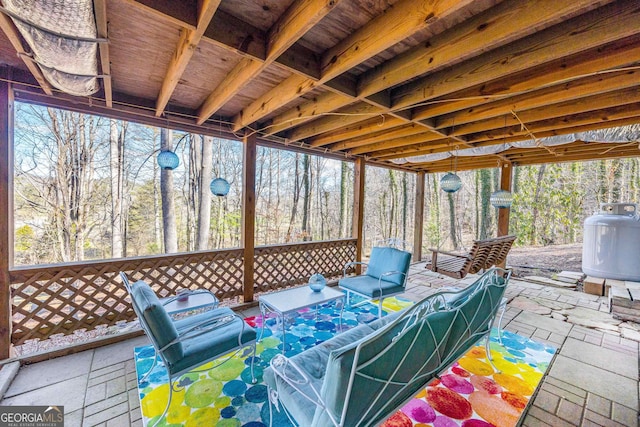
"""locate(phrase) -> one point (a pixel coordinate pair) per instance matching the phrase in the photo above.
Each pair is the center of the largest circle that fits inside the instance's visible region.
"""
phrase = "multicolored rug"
(470, 394)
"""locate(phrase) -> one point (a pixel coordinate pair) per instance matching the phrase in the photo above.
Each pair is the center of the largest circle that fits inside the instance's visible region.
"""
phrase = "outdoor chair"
(385, 275)
(483, 255)
(186, 344)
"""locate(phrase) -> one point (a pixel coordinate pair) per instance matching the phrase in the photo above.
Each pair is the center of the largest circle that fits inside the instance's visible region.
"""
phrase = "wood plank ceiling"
(385, 80)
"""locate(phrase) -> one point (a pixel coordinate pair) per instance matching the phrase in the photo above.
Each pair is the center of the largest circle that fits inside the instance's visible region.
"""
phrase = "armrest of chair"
(204, 327)
(391, 273)
(294, 376)
(349, 264)
(188, 293)
(437, 251)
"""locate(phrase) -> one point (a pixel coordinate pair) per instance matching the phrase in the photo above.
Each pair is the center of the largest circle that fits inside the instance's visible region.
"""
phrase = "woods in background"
(88, 187)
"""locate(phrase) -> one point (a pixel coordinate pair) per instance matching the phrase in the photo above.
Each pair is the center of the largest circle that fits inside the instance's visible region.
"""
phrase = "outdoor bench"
(360, 377)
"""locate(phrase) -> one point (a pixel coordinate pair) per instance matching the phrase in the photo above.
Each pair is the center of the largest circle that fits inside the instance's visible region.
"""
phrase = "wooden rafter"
(100, 10)
(293, 24)
(13, 35)
(189, 39)
(502, 24)
(595, 28)
(402, 20)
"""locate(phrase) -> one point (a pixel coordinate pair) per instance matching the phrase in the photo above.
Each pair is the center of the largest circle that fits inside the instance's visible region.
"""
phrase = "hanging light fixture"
(219, 187)
(450, 183)
(501, 199)
(168, 160)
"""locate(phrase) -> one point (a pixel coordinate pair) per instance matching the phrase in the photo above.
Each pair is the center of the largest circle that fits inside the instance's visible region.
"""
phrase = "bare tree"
(118, 202)
(204, 213)
(166, 194)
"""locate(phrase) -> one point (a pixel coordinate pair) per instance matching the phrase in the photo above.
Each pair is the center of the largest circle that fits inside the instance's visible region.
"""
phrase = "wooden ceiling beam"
(425, 137)
(15, 39)
(187, 44)
(550, 111)
(100, 10)
(352, 131)
(580, 88)
(604, 25)
(400, 21)
(542, 130)
(380, 136)
(293, 24)
(501, 24)
(340, 118)
(559, 124)
(614, 55)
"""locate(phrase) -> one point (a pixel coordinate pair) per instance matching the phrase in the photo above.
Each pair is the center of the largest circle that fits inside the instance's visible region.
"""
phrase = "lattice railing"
(281, 266)
(64, 298)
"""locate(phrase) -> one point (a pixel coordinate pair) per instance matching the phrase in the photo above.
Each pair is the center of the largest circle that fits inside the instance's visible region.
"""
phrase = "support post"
(506, 172)
(6, 216)
(358, 207)
(419, 218)
(248, 213)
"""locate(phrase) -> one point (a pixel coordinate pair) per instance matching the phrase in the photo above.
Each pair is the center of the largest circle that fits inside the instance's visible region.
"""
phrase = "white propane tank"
(611, 247)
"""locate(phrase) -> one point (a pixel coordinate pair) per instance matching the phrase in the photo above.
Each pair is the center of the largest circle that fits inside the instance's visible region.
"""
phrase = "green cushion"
(384, 260)
(215, 343)
(370, 286)
(157, 322)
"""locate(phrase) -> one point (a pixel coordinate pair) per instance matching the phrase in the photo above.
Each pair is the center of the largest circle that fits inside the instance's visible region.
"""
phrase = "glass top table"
(196, 300)
(291, 300)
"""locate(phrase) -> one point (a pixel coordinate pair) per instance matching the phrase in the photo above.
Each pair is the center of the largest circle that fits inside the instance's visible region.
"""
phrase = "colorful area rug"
(469, 394)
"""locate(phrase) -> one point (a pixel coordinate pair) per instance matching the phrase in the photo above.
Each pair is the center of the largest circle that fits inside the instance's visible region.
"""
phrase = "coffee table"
(291, 300)
(197, 300)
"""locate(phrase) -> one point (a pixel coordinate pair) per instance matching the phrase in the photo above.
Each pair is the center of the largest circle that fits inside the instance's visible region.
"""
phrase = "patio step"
(8, 372)
(624, 303)
(549, 282)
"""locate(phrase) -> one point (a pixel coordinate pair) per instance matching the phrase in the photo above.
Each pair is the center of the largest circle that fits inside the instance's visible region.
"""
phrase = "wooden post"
(419, 218)
(6, 216)
(249, 212)
(506, 172)
(358, 207)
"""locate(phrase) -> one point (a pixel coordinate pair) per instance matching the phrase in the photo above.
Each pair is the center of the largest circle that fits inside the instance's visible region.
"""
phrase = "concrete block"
(7, 373)
(594, 285)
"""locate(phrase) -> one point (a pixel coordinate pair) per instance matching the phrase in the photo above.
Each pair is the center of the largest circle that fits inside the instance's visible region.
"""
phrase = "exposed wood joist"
(15, 39)
(293, 24)
(380, 136)
(375, 124)
(592, 29)
(189, 39)
(588, 121)
(100, 10)
(399, 22)
(502, 24)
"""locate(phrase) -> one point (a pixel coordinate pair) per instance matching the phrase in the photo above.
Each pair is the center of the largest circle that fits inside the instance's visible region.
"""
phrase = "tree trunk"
(204, 211)
(405, 203)
(344, 176)
(306, 197)
(116, 168)
(485, 211)
(296, 197)
(533, 238)
(393, 190)
(452, 221)
(166, 193)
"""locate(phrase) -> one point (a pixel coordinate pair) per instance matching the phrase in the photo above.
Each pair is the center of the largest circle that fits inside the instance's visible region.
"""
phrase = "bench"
(362, 376)
(483, 255)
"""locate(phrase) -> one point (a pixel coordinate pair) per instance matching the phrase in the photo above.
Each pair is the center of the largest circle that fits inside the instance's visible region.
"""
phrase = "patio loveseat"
(360, 377)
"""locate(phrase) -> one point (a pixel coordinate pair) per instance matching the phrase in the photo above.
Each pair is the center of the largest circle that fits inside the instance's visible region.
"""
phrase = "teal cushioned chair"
(362, 376)
(385, 276)
(186, 344)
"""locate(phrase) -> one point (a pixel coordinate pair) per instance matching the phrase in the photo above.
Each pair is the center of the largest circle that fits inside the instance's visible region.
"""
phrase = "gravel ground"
(545, 260)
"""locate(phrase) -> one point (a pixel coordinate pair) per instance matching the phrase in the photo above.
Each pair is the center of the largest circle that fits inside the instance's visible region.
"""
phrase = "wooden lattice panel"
(281, 266)
(64, 298)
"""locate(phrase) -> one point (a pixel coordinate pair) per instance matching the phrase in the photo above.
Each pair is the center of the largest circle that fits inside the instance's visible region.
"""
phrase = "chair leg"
(153, 365)
(503, 307)
(253, 359)
(380, 307)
